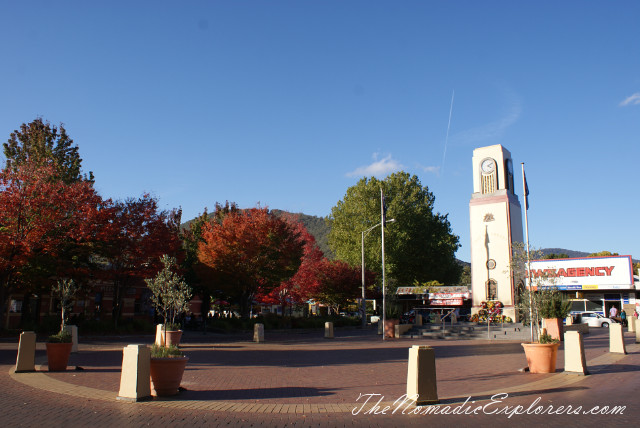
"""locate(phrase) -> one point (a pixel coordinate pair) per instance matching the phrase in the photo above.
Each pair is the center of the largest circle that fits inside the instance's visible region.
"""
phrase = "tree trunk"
(117, 298)
(245, 305)
(62, 313)
(26, 308)
(3, 305)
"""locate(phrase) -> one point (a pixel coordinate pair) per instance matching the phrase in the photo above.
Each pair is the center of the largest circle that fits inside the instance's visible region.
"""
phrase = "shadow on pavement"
(539, 392)
(257, 393)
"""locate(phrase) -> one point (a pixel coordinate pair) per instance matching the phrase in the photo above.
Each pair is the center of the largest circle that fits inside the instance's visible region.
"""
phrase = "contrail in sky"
(448, 128)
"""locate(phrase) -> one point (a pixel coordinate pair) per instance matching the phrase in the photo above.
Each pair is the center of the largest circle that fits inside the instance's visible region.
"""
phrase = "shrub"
(61, 337)
(171, 351)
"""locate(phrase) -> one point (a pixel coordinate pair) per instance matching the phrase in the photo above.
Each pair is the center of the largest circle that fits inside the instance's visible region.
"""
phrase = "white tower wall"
(496, 223)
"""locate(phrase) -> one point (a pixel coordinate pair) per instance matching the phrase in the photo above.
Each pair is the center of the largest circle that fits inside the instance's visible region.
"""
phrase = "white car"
(593, 319)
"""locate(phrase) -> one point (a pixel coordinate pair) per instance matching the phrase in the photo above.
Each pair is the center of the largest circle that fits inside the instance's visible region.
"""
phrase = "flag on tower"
(526, 190)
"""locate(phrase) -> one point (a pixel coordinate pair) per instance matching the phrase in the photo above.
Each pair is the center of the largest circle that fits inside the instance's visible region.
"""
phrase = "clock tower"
(496, 222)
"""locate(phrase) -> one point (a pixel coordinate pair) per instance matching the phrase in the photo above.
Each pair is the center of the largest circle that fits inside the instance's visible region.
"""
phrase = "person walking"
(623, 317)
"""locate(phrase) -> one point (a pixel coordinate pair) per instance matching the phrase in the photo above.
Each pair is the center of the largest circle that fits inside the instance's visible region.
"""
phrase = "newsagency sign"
(588, 273)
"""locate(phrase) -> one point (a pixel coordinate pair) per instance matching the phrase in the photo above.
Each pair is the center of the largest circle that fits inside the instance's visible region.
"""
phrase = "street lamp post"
(363, 308)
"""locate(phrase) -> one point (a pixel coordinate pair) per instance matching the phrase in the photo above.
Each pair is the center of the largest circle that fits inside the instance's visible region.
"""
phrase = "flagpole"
(526, 228)
(384, 286)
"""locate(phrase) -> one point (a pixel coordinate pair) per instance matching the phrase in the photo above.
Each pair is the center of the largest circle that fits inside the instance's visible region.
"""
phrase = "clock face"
(488, 165)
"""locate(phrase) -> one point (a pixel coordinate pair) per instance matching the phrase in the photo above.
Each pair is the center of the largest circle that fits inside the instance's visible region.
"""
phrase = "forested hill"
(318, 227)
(574, 254)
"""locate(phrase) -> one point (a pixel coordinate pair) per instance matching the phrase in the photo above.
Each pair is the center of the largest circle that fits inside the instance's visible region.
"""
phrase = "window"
(492, 290)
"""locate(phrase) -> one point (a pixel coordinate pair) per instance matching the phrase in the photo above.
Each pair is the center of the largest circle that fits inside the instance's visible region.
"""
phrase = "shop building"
(435, 298)
(592, 283)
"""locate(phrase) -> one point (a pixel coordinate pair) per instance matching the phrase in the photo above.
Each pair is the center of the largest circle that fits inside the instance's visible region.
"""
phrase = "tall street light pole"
(363, 308)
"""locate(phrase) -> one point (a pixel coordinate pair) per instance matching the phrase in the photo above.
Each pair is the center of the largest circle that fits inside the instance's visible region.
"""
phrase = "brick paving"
(301, 379)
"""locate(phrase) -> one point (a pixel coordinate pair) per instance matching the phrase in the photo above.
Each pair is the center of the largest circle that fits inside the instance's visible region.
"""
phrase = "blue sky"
(288, 103)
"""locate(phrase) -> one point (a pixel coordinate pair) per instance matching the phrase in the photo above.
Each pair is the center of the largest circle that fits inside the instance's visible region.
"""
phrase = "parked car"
(593, 319)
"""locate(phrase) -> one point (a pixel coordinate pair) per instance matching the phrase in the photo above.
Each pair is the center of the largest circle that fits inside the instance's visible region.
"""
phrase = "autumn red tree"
(250, 252)
(302, 285)
(40, 217)
(195, 273)
(140, 235)
(338, 283)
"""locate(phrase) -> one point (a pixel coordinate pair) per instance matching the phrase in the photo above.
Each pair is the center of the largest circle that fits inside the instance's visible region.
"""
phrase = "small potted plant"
(170, 296)
(59, 345)
(58, 351)
(542, 355)
(537, 303)
(553, 310)
(392, 318)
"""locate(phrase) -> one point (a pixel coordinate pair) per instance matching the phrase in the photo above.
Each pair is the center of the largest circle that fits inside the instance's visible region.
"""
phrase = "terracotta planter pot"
(390, 328)
(555, 328)
(166, 375)
(541, 357)
(58, 356)
(173, 337)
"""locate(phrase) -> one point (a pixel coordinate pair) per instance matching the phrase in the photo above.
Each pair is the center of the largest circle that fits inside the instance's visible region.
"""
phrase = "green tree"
(603, 254)
(465, 277)
(419, 246)
(556, 256)
(170, 294)
(40, 142)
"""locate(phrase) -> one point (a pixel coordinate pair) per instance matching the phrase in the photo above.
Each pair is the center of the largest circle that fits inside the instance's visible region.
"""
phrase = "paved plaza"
(301, 379)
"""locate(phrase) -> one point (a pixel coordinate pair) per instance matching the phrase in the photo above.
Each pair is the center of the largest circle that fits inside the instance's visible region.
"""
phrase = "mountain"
(572, 253)
(317, 226)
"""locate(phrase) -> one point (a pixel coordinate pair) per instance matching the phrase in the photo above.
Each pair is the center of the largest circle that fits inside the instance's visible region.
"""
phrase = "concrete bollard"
(574, 359)
(159, 335)
(328, 330)
(380, 326)
(637, 331)
(26, 360)
(568, 320)
(258, 333)
(136, 372)
(421, 376)
(632, 324)
(73, 329)
(616, 339)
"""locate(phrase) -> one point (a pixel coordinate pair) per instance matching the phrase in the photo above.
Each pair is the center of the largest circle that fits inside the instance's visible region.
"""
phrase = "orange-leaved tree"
(40, 217)
(301, 286)
(250, 252)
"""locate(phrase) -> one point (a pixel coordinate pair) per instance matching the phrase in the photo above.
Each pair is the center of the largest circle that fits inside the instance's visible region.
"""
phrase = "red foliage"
(139, 235)
(303, 284)
(249, 253)
(39, 215)
(339, 282)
